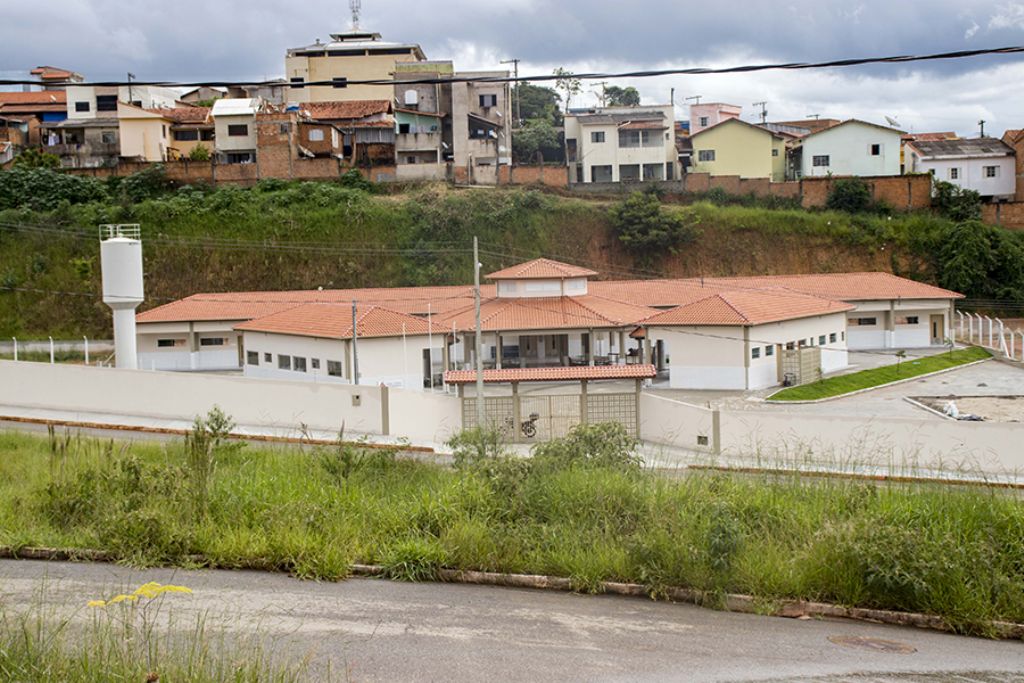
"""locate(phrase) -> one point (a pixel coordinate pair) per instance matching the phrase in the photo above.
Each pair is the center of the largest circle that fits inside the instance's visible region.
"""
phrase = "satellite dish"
(892, 122)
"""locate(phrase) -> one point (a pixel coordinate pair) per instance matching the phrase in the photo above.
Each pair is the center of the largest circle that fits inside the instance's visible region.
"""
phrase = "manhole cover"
(876, 644)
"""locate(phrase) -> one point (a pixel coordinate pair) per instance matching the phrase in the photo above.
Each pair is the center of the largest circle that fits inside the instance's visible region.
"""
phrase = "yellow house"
(353, 56)
(144, 134)
(735, 147)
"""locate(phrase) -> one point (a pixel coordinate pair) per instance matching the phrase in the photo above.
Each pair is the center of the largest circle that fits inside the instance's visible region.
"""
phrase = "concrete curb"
(731, 602)
(875, 388)
(917, 404)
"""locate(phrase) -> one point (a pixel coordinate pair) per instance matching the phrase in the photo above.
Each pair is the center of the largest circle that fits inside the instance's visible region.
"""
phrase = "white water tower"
(121, 264)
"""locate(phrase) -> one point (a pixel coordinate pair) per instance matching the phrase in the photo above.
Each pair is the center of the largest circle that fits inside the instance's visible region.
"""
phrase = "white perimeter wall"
(253, 403)
(791, 439)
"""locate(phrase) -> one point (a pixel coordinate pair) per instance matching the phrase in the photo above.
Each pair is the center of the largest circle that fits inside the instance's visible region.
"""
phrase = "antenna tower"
(355, 6)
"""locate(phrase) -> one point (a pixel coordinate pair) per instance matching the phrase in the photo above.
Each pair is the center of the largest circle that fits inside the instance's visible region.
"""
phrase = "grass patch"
(855, 381)
(583, 508)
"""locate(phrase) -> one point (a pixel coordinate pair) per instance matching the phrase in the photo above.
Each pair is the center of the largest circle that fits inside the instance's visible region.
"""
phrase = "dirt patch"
(989, 408)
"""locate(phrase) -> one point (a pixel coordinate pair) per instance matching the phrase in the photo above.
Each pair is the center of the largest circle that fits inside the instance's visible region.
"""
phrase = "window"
(629, 173)
(991, 171)
(629, 138)
(252, 357)
(334, 368)
(832, 338)
(820, 160)
(821, 340)
(316, 135)
(653, 171)
(404, 128)
(164, 343)
(907, 320)
(488, 100)
(876, 150)
(410, 159)
(706, 155)
(954, 174)
(108, 137)
(186, 135)
(775, 152)
(314, 363)
(597, 136)
(212, 341)
(165, 131)
(81, 106)
(296, 82)
(703, 121)
(601, 174)
(769, 350)
(241, 157)
(702, 440)
(339, 82)
(238, 130)
(842, 335)
(284, 362)
(755, 352)
(790, 346)
(106, 103)
(299, 364)
(268, 358)
(206, 135)
(867, 322)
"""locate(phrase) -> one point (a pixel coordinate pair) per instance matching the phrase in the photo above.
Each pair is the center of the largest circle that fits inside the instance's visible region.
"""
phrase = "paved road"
(384, 631)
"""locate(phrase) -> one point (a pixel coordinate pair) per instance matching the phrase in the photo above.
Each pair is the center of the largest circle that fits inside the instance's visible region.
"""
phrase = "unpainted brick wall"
(1008, 214)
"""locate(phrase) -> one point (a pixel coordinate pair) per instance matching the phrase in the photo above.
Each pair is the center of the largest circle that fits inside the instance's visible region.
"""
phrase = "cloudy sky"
(246, 39)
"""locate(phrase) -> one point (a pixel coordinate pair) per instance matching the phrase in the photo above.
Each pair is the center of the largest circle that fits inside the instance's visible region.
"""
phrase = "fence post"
(86, 340)
(15, 347)
(385, 410)
(970, 328)
(991, 339)
(51, 351)
(716, 432)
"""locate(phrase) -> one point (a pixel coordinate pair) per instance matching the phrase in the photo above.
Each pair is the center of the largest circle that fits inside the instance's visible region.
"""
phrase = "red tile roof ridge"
(548, 269)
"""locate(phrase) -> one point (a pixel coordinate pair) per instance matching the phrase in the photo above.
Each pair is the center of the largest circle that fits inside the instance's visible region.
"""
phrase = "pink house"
(711, 113)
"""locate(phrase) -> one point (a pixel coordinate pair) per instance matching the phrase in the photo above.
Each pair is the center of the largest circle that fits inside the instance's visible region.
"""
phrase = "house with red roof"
(709, 333)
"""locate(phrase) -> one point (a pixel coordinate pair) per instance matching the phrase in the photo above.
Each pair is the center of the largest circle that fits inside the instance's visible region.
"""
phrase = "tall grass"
(576, 510)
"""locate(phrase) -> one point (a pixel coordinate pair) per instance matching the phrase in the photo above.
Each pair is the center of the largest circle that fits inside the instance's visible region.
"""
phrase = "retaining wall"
(1007, 214)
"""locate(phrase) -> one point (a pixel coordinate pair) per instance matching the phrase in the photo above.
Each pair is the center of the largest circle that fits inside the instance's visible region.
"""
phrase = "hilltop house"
(621, 144)
(723, 333)
(985, 165)
(735, 147)
(851, 148)
(710, 114)
(234, 123)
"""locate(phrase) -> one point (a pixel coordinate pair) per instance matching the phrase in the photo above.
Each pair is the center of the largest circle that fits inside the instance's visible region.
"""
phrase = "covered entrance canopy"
(542, 415)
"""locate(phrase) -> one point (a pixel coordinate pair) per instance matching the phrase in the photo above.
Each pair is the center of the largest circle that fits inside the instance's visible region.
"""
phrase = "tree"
(646, 230)
(849, 194)
(568, 83)
(35, 157)
(537, 135)
(199, 153)
(621, 97)
(536, 102)
(956, 203)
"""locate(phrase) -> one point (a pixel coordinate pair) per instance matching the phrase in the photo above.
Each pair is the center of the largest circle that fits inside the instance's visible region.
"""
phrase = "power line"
(689, 71)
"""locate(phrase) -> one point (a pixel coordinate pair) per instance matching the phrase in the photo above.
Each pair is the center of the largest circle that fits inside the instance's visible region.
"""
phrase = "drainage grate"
(876, 644)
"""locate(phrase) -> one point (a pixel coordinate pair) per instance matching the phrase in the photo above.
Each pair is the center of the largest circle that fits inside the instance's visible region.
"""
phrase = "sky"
(192, 40)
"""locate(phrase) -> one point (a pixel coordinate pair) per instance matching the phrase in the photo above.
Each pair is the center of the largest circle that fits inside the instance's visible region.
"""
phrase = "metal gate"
(551, 416)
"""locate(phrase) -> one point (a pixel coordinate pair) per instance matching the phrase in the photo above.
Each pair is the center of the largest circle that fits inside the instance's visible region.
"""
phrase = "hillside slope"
(286, 236)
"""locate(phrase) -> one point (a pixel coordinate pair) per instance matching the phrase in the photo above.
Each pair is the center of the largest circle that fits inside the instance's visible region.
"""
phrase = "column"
(583, 401)
(517, 412)
(497, 350)
(622, 347)
(590, 347)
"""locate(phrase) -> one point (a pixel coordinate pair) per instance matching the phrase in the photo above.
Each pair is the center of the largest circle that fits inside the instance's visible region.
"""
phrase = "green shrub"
(956, 203)
(43, 189)
(602, 445)
(414, 559)
(849, 194)
(199, 153)
(149, 183)
(647, 230)
(35, 157)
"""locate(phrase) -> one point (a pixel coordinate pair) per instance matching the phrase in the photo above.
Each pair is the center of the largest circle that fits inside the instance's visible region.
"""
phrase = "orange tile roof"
(540, 269)
(576, 372)
(51, 72)
(747, 308)
(353, 109)
(334, 321)
(843, 286)
(548, 313)
(192, 115)
(34, 97)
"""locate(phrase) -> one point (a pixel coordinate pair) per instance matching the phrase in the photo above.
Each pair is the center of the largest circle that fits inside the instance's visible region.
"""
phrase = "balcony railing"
(417, 141)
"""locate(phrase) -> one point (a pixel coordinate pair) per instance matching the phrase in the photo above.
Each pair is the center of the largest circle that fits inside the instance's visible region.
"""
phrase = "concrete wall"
(676, 424)
(354, 67)
(267, 404)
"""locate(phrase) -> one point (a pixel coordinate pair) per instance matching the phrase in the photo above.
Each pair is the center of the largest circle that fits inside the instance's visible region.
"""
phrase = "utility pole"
(355, 346)
(130, 77)
(982, 124)
(476, 342)
(695, 98)
(604, 93)
(764, 111)
(515, 75)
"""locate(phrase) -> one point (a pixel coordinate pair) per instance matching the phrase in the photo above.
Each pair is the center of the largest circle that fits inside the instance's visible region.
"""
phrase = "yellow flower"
(147, 590)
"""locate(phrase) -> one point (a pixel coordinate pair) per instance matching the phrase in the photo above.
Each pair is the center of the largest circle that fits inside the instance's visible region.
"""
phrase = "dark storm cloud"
(192, 39)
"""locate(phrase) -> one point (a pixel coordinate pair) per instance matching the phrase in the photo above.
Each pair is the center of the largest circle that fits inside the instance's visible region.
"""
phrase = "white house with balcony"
(985, 165)
(851, 148)
(234, 122)
(621, 144)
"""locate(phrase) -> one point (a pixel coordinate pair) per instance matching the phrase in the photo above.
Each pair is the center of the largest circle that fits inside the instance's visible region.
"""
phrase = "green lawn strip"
(924, 548)
(844, 384)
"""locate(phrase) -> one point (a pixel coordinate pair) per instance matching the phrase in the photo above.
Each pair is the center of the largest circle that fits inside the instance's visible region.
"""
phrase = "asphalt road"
(374, 630)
